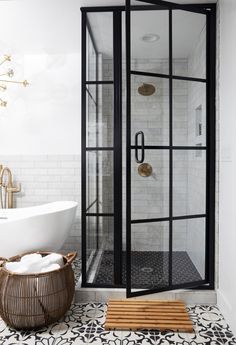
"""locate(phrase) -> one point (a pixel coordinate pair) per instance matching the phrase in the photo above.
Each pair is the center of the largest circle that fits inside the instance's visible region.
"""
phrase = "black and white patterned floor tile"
(84, 324)
(76, 265)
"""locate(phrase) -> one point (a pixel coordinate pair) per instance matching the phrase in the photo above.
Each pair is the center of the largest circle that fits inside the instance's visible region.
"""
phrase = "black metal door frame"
(208, 282)
(210, 11)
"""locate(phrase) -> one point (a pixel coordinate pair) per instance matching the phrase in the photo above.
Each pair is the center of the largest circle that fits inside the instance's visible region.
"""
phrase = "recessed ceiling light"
(150, 38)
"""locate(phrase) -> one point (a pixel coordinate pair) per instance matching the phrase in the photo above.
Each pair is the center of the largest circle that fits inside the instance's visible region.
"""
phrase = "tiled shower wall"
(197, 160)
(150, 114)
(150, 195)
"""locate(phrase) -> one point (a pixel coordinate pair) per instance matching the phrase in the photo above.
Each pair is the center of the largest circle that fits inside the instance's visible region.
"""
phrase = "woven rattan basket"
(30, 301)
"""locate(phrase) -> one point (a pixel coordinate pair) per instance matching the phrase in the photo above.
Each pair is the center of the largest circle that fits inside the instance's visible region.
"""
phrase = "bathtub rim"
(20, 213)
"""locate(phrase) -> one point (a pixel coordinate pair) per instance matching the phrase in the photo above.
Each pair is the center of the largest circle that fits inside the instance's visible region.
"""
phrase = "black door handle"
(142, 147)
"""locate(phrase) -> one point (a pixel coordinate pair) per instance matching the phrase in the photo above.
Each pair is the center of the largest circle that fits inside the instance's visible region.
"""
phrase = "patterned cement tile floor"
(83, 324)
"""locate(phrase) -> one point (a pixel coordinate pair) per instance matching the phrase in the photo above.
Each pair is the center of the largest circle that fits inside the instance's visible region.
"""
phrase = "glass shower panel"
(188, 258)
(189, 182)
(106, 182)
(150, 194)
(99, 182)
(91, 116)
(189, 44)
(91, 57)
(189, 113)
(101, 32)
(100, 119)
(100, 250)
(150, 109)
(91, 240)
(150, 255)
(150, 41)
(91, 182)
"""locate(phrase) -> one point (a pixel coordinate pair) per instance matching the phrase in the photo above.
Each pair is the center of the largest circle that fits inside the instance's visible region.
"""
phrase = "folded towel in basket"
(35, 263)
(52, 267)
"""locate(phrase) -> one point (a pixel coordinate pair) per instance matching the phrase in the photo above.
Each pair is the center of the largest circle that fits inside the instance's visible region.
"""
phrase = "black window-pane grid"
(169, 76)
(171, 148)
(170, 268)
(187, 148)
(105, 148)
(99, 82)
(164, 147)
(94, 214)
(153, 220)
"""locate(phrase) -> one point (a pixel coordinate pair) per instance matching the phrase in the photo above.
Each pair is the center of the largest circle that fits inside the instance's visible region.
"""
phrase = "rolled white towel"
(34, 267)
(53, 258)
(12, 266)
(35, 263)
(44, 264)
(17, 267)
(29, 258)
(50, 268)
(22, 269)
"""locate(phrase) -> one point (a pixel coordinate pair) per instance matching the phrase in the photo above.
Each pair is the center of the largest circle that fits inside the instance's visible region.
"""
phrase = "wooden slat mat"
(130, 314)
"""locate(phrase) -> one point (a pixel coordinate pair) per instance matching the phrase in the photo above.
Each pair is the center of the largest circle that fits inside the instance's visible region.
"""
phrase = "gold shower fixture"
(146, 89)
(145, 170)
(9, 73)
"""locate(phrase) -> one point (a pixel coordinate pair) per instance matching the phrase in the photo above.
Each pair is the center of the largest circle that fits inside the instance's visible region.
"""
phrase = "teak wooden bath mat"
(129, 314)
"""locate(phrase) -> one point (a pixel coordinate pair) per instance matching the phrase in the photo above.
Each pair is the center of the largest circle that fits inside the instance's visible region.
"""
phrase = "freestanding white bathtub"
(43, 227)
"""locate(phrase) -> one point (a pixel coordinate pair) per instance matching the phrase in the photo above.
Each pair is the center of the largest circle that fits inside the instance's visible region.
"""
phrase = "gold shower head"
(146, 89)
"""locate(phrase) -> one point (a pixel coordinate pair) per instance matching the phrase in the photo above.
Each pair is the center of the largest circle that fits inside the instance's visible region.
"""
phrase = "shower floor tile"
(84, 324)
(149, 269)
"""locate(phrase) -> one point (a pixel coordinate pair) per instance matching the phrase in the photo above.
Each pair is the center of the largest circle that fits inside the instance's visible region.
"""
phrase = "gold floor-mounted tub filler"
(7, 189)
(145, 170)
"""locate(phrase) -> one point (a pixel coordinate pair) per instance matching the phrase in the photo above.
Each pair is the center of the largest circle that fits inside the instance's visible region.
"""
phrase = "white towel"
(29, 258)
(52, 267)
(17, 267)
(53, 258)
(35, 263)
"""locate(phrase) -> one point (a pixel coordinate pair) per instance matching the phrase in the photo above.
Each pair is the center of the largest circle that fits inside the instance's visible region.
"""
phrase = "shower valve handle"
(140, 133)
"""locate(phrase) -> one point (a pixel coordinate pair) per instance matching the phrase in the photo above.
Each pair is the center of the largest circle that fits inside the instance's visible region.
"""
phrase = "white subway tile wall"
(48, 178)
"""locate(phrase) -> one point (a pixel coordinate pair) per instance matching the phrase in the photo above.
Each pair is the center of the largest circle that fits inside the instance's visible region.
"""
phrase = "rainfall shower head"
(146, 89)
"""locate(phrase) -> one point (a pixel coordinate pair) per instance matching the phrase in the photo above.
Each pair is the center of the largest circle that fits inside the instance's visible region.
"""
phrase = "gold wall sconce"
(8, 74)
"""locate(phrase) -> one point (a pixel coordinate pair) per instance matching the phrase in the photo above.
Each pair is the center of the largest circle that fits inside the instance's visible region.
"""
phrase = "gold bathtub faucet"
(8, 185)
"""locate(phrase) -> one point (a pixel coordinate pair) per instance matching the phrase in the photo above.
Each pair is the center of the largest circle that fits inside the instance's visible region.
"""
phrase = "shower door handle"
(142, 147)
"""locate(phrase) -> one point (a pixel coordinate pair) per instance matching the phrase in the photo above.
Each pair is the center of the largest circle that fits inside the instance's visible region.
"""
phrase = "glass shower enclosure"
(148, 146)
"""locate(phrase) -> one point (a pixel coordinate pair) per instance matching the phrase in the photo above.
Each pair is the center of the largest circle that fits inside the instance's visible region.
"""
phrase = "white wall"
(43, 38)
(227, 106)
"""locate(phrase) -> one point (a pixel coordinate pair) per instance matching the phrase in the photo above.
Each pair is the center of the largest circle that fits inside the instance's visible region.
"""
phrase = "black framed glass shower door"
(170, 147)
(170, 113)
